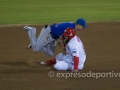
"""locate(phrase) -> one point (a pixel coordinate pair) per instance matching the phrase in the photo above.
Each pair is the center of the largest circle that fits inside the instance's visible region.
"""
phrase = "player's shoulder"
(73, 41)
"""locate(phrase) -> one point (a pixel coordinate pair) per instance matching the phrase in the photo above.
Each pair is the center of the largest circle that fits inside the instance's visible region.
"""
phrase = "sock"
(51, 62)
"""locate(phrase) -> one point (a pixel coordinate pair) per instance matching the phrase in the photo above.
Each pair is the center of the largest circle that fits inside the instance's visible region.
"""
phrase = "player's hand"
(74, 71)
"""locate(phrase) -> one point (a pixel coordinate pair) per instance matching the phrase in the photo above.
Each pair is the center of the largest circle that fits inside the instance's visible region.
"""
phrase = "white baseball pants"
(64, 62)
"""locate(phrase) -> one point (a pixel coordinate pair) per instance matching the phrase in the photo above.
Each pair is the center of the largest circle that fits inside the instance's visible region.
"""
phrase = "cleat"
(49, 62)
(43, 63)
(27, 28)
(29, 46)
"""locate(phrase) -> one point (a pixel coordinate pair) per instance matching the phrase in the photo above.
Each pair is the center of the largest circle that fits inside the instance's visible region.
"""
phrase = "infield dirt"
(20, 68)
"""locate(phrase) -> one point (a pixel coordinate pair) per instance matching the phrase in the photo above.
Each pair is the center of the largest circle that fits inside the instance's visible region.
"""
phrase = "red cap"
(69, 32)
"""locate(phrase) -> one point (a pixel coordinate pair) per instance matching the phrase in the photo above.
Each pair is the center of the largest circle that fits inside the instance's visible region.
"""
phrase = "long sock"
(51, 62)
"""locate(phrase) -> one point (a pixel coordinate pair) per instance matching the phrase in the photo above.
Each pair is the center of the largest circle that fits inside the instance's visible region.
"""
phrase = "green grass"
(46, 11)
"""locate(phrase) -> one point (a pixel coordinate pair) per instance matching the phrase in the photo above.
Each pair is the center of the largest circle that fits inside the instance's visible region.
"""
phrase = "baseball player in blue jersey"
(46, 41)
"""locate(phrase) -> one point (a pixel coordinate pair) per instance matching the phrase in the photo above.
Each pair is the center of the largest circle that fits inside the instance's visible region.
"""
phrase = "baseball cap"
(82, 22)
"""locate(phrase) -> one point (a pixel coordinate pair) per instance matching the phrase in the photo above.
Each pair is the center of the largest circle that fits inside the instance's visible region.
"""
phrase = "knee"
(57, 66)
(61, 65)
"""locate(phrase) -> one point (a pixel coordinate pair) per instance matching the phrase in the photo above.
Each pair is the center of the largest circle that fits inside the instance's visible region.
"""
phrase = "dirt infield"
(20, 68)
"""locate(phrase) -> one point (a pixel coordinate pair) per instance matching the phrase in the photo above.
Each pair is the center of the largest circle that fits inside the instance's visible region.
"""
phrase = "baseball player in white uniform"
(46, 41)
(75, 55)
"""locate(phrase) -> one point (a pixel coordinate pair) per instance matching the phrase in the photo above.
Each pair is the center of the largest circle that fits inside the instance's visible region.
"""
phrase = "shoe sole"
(27, 28)
(43, 63)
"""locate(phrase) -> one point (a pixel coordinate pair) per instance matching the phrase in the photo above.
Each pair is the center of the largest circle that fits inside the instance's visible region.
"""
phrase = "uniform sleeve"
(75, 58)
(75, 54)
(76, 62)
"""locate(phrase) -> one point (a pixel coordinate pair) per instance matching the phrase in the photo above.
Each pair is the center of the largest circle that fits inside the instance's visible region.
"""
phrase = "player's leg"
(43, 39)
(53, 61)
(49, 49)
(63, 62)
(29, 28)
(59, 62)
(32, 35)
(62, 65)
(49, 62)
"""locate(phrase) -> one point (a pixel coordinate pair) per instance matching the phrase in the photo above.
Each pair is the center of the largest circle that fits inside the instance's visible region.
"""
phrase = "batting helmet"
(69, 33)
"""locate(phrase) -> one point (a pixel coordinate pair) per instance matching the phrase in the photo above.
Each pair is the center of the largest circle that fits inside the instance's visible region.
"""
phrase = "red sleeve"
(76, 62)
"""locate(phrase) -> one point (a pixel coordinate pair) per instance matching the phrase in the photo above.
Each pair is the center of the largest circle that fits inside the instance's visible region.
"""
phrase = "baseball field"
(20, 68)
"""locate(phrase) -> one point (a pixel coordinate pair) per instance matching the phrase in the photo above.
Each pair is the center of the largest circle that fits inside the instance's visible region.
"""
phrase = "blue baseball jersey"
(58, 29)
